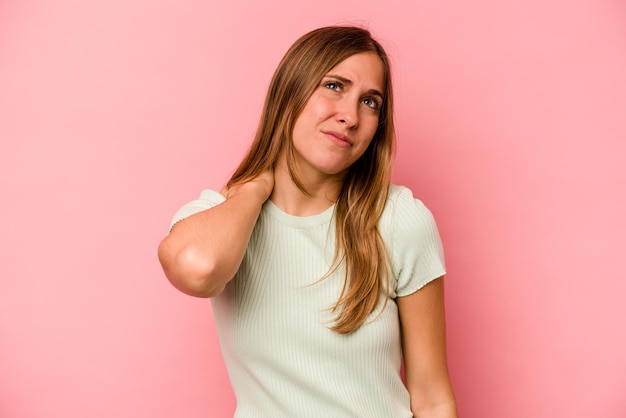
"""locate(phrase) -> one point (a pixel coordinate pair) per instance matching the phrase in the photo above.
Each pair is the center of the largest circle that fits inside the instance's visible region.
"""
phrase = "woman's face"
(340, 118)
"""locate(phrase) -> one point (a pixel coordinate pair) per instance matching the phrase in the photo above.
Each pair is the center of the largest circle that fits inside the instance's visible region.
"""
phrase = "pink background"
(512, 128)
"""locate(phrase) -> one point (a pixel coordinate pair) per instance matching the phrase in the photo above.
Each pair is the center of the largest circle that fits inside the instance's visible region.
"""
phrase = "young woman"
(324, 277)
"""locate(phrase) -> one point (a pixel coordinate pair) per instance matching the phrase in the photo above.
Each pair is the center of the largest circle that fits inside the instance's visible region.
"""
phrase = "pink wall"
(512, 128)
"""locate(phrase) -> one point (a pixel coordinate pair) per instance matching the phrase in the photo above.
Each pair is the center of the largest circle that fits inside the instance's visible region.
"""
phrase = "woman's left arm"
(422, 318)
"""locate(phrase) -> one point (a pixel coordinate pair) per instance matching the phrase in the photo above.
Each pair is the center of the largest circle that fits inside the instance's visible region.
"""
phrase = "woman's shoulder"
(212, 196)
(207, 199)
(411, 235)
(402, 200)
(406, 218)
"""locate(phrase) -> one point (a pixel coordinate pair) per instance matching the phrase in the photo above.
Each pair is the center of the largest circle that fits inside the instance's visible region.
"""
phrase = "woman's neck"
(323, 191)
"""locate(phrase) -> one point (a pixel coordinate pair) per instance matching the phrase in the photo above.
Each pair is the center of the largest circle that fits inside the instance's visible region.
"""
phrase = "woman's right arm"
(203, 252)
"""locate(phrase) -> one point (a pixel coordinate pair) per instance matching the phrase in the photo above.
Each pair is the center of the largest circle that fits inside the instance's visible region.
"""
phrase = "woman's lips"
(339, 138)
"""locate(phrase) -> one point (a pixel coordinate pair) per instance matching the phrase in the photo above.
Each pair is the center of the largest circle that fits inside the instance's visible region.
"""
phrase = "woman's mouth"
(338, 138)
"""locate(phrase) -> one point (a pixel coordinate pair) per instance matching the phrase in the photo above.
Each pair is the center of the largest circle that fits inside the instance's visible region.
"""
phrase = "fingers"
(263, 183)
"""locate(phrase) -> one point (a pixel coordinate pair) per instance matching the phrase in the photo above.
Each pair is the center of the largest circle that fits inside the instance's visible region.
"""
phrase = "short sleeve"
(416, 248)
(207, 200)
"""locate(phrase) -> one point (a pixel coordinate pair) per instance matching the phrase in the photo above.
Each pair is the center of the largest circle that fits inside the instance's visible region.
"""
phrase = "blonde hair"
(359, 245)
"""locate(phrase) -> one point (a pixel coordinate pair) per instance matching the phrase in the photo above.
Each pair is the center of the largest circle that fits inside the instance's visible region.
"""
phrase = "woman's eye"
(333, 85)
(370, 102)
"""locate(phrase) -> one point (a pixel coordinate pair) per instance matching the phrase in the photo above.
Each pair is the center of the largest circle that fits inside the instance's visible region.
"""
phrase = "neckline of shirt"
(298, 221)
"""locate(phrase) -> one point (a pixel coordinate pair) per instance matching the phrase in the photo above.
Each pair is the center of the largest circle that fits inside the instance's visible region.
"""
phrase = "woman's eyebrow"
(340, 78)
(348, 82)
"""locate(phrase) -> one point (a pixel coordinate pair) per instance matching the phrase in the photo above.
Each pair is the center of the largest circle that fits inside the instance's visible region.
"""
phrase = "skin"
(422, 320)
(201, 264)
(333, 130)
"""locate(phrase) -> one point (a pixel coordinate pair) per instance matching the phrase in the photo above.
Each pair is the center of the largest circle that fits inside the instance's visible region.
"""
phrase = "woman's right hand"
(263, 185)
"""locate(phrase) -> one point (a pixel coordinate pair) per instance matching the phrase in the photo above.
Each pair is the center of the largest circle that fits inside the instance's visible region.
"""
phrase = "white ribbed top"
(273, 318)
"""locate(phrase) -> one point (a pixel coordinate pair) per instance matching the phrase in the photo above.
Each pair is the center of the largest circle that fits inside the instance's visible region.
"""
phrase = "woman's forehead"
(364, 68)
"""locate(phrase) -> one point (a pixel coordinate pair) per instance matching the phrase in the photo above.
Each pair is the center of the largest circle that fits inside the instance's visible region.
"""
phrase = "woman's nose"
(348, 113)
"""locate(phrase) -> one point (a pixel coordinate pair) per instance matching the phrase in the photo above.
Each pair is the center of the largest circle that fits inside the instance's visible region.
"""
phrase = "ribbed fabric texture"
(273, 317)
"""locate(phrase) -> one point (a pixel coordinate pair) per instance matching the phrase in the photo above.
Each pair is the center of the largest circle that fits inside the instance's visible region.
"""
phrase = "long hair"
(359, 245)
